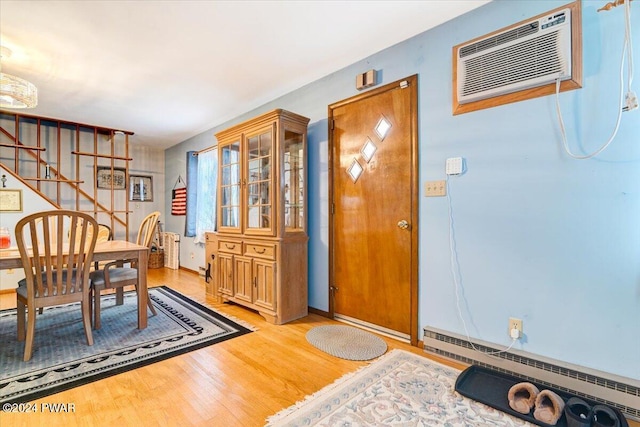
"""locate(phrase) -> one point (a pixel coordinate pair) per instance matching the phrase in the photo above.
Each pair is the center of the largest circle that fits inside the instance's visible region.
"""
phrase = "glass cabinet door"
(259, 212)
(294, 185)
(230, 186)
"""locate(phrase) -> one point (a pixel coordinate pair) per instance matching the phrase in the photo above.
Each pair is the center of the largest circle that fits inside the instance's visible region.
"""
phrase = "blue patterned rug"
(63, 360)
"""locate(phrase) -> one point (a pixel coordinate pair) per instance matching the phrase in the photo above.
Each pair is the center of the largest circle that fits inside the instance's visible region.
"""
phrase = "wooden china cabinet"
(262, 215)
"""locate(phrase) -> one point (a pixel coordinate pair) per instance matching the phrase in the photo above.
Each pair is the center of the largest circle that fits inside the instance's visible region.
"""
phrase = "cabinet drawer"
(230, 246)
(260, 250)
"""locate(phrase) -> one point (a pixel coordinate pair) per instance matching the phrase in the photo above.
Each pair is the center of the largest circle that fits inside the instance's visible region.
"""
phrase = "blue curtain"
(207, 184)
(192, 193)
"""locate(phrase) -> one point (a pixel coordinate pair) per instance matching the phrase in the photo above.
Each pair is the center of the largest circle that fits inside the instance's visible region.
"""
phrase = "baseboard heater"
(620, 392)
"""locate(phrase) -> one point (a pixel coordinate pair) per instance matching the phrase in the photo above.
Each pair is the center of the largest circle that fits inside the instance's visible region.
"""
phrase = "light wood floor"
(239, 382)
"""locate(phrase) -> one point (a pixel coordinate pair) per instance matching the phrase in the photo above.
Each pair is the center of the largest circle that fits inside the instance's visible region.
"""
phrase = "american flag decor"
(179, 201)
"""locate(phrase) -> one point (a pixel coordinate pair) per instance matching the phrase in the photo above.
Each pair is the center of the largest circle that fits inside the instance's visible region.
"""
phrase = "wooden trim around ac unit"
(576, 70)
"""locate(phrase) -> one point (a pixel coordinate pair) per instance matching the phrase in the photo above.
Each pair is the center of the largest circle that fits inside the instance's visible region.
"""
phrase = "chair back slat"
(59, 260)
(37, 259)
(56, 248)
(71, 261)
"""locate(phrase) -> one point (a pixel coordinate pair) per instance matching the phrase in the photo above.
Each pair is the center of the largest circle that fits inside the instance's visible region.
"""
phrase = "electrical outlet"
(515, 324)
(435, 188)
(630, 101)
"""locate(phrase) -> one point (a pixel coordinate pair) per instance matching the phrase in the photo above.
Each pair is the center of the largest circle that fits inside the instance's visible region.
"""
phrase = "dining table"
(111, 250)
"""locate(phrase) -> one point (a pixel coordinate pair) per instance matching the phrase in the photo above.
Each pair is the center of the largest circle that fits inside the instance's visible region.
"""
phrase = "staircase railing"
(11, 148)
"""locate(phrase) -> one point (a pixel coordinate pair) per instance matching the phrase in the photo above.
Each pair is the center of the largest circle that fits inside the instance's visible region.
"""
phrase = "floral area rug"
(398, 389)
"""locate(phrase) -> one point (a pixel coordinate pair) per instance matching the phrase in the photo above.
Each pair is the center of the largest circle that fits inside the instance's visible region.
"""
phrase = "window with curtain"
(206, 202)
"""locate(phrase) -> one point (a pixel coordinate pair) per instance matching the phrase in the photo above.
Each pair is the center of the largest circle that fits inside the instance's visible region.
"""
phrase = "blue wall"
(539, 236)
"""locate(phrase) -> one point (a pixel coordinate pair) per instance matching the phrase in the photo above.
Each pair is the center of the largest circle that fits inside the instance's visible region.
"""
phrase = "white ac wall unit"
(532, 54)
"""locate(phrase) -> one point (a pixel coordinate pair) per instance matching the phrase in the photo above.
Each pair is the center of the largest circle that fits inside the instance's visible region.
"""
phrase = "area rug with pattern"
(398, 389)
(63, 360)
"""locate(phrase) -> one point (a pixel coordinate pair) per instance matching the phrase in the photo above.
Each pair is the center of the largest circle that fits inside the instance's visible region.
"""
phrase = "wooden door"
(374, 192)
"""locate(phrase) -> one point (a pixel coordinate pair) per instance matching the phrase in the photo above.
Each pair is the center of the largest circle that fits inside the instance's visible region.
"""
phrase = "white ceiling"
(168, 70)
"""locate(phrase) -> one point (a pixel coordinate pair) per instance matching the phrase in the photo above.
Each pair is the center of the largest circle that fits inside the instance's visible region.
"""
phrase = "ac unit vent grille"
(516, 33)
(513, 64)
(533, 54)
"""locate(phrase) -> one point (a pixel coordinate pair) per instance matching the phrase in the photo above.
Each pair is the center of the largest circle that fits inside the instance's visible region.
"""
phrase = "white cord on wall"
(564, 133)
(630, 100)
(455, 266)
(627, 34)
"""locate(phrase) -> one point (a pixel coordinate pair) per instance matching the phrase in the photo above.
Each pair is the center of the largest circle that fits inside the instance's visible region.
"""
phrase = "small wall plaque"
(10, 200)
(105, 179)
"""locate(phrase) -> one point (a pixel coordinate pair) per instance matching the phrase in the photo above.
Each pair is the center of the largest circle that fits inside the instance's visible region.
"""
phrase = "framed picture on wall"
(10, 200)
(105, 178)
(140, 188)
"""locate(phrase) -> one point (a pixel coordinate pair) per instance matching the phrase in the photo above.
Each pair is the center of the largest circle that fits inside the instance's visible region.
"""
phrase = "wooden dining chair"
(104, 234)
(115, 275)
(51, 278)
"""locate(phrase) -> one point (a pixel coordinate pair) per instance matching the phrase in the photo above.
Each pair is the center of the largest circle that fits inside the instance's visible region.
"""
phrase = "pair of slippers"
(547, 406)
(523, 397)
(580, 414)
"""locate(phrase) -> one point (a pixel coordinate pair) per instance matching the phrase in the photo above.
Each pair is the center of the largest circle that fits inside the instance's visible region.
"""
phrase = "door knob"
(403, 224)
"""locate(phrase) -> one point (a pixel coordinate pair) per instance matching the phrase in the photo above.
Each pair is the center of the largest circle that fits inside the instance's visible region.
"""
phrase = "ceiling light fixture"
(14, 91)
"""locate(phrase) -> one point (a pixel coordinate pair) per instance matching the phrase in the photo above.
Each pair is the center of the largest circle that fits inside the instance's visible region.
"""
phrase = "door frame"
(414, 191)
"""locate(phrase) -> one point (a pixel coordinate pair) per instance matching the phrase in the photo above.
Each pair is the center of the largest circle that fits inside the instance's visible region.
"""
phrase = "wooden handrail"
(103, 156)
(74, 124)
(97, 211)
(26, 178)
(22, 146)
